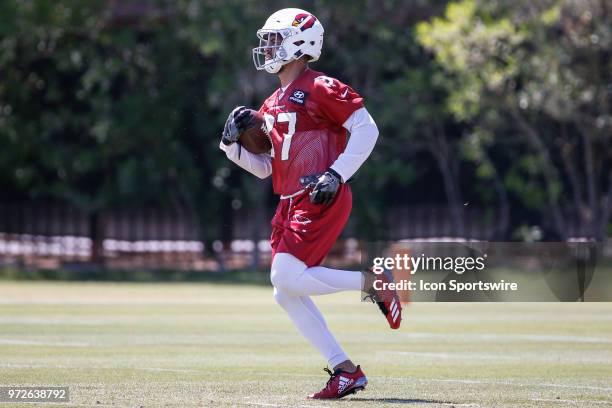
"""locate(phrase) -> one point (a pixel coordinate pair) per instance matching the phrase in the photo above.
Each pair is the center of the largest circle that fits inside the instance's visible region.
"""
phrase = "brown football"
(255, 139)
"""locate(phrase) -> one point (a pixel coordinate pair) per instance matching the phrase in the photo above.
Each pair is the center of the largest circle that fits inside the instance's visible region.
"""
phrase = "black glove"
(324, 187)
(237, 122)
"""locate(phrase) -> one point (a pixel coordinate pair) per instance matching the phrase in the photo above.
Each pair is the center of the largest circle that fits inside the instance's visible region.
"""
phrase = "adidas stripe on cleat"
(387, 300)
(341, 383)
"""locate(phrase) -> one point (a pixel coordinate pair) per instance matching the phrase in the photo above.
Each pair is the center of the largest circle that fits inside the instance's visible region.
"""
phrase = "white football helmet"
(286, 36)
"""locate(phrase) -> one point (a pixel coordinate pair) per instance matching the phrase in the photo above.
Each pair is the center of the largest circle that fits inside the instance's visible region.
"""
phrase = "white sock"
(290, 275)
(309, 321)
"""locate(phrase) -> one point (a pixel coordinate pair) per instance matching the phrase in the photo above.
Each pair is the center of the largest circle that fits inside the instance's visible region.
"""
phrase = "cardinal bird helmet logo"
(304, 21)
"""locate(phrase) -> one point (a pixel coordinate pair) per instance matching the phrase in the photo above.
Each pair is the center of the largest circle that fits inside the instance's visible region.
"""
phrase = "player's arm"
(342, 106)
(258, 164)
(364, 134)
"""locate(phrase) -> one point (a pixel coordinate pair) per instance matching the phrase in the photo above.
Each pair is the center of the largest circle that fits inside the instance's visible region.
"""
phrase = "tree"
(541, 72)
(89, 109)
(110, 104)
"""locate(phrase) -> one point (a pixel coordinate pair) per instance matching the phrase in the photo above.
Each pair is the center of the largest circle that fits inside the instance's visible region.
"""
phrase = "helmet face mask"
(287, 35)
(271, 55)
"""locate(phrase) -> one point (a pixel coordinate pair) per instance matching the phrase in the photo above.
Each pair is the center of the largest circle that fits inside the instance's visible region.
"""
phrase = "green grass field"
(212, 345)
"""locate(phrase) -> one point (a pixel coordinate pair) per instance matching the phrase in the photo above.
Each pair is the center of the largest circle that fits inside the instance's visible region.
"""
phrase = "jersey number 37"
(290, 118)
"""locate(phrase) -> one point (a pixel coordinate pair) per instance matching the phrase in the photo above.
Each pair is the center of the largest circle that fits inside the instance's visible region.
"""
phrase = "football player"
(307, 119)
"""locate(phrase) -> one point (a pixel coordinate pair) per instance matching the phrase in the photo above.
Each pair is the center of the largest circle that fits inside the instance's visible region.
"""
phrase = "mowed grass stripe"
(200, 345)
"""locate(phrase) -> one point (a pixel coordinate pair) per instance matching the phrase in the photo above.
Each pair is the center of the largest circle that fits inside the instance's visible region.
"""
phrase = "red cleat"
(387, 299)
(341, 384)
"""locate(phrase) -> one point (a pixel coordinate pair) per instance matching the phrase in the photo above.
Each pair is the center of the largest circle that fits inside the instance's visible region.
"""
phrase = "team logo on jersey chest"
(298, 97)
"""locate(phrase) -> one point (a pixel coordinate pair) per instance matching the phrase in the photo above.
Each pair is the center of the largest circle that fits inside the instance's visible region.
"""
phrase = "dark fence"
(52, 235)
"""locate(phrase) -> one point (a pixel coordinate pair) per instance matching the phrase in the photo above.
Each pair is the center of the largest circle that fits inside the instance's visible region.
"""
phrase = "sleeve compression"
(257, 164)
(364, 134)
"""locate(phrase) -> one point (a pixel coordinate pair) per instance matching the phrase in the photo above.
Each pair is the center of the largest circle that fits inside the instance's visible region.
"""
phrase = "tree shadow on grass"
(399, 400)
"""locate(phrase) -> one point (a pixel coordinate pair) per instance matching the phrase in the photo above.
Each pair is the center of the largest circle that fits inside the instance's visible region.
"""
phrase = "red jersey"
(305, 125)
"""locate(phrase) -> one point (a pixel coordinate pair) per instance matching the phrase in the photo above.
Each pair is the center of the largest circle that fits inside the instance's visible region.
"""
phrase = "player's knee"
(281, 277)
(276, 278)
(282, 298)
(285, 271)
